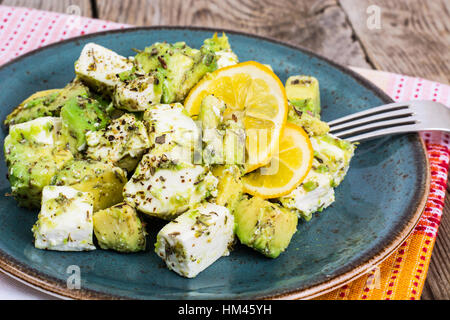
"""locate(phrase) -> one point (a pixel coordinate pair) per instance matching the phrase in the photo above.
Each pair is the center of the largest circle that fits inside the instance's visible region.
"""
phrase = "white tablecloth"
(11, 289)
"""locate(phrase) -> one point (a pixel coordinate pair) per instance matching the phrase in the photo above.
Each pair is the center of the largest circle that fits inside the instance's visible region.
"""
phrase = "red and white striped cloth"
(23, 29)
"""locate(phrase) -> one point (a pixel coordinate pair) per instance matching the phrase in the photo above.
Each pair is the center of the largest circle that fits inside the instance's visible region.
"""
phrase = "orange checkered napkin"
(403, 274)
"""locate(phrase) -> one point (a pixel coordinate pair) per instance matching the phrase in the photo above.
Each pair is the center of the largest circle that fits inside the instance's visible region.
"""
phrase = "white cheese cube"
(65, 220)
(99, 67)
(335, 153)
(173, 132)
(226, 58)
(196, 239)
(41, 131)
(162, 188)
(314, 194)
(122, 142)
(137, 94)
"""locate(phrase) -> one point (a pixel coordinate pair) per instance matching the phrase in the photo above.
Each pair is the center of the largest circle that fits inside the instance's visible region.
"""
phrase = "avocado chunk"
(102, 180)
(264, 226)
(45, 103)
(210, 118)
(33, 107)
(223, 139)
(33, 155)
(303, 92)
(80, 115)
(177, 66)
(234, 142)
(222, 49)
(229, 187)
(312, 124)
(216, 43)
(119, 228)
(211, 111)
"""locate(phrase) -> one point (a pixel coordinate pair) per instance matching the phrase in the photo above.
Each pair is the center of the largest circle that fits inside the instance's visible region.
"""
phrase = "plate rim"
(56, 287)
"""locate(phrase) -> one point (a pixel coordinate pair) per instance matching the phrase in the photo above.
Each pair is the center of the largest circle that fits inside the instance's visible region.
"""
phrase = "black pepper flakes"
(160, 139)
(162, 61)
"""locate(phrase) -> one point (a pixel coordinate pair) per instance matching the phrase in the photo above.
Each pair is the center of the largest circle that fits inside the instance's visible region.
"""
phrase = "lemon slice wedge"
(288, 168)
(255, 96)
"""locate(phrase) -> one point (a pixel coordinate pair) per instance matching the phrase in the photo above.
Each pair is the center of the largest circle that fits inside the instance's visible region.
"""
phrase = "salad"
(221, 150)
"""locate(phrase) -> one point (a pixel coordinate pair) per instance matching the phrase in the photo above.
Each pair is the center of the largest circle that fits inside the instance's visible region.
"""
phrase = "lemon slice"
(288, 168)
(255, 96)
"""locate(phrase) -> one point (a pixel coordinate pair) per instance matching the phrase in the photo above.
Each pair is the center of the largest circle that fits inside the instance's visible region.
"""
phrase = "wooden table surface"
(410, 37)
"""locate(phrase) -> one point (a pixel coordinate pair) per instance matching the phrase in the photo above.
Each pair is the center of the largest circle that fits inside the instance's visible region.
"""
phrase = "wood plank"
(413, 39)
(320, 25)
(438, 279)
(62, 6)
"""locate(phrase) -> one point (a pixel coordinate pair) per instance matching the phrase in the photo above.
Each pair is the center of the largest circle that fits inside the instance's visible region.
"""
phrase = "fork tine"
(405, 113)
(369, 112)
(377, 126)
(380, 132)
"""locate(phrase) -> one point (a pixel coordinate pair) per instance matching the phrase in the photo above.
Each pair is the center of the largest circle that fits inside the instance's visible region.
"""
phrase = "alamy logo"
(74, 279)
(374, 279)
(75, 21)
(374, 17)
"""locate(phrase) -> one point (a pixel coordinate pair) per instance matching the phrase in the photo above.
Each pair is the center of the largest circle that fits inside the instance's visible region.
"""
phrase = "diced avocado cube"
(312, 124)
(211, 111)
(152, 58)
(138, 93)
(122, 142)
(163, 187)
(100, 67)
(65, 220)
(229, 187)
(303, 92)
(212, 152)
(210, 118)
(80, 115)
(314, 194)
(33, 107)
(33, 154)
(222, 49)
(234, 143)
(196, 239)
(119, 228)
(264, 226)
(102, 180)
(216, 43)
(46, 103)
(204, 62)
(335, 154)
(177, 66)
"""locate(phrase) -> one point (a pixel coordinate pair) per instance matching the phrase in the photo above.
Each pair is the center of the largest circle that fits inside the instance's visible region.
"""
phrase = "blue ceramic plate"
(376, 207)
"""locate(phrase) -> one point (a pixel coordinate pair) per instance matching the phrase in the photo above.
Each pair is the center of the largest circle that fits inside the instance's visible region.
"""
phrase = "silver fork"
(394, 118)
